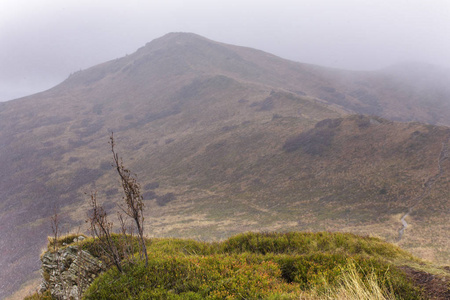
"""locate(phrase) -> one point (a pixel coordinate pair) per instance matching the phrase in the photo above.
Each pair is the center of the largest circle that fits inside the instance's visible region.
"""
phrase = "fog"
(43, 41)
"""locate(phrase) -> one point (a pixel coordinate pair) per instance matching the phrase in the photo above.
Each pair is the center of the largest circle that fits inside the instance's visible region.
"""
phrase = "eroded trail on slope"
(444, 154)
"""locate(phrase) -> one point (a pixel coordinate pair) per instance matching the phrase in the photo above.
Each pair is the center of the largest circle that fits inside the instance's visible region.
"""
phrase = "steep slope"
(224, 139)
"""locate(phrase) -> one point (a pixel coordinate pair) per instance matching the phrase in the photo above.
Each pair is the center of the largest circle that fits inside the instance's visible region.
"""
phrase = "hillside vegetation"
(289, 265)
(227, 139)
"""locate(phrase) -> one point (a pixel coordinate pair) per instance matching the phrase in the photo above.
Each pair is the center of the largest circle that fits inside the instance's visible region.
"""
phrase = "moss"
(46, 276)
(63, 240)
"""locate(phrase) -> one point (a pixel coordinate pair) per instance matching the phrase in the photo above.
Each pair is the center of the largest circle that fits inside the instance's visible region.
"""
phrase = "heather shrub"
(259, 266)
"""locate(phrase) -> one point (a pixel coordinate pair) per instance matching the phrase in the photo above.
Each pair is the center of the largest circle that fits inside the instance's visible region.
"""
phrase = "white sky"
(43, 41)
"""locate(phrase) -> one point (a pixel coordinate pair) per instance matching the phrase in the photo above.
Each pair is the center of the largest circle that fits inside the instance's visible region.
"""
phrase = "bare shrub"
(55, 228)
(101, 228)
(132, 197)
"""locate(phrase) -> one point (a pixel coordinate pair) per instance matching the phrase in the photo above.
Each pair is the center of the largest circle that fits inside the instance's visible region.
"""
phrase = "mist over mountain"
(227, 139)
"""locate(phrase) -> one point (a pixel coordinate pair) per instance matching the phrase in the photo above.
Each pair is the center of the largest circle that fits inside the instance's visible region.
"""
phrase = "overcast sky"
(43, 41)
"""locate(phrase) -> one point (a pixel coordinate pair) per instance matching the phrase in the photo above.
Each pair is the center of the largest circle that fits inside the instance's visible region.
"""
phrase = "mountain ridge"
(242, 63)
(207, 122)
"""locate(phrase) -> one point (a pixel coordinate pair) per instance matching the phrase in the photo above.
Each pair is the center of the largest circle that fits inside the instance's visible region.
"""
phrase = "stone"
(68, 272)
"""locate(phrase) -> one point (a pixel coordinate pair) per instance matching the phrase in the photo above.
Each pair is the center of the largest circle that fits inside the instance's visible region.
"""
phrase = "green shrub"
(200, 277)
(306, 242)
(254, 266)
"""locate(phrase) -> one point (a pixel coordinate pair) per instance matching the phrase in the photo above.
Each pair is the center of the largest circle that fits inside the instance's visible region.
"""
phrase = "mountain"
(226, 139)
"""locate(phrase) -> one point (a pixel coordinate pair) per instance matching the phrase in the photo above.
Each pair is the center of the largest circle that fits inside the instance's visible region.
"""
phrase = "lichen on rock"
(68, 272)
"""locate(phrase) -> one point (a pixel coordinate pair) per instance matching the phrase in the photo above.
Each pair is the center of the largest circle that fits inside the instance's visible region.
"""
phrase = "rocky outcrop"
(67, 272)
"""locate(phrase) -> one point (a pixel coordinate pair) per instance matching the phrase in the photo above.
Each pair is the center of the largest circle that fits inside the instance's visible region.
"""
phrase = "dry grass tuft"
(356, 287)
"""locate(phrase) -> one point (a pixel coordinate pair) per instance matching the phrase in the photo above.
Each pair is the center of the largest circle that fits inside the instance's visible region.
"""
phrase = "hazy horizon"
(44, 41)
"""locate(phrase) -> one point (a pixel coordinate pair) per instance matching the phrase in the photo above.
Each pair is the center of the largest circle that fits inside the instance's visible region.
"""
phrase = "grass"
(354, 287)
(293, 265)
(63, 240)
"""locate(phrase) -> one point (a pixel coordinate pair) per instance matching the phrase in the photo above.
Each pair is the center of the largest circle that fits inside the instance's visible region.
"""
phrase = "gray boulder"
(68, 272)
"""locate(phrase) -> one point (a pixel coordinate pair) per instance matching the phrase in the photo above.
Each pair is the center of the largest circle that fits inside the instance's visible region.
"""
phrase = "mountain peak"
(174, 38)
(180, 36)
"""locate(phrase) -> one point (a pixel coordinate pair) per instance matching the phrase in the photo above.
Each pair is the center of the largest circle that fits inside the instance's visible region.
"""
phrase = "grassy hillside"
(357, 174)
(289, 265)
(227, 139)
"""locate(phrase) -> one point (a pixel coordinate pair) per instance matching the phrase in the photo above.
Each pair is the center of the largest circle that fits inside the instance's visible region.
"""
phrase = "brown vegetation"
(225, 161)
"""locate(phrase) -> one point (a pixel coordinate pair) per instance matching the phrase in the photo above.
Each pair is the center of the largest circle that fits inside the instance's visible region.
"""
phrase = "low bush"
(256, 266)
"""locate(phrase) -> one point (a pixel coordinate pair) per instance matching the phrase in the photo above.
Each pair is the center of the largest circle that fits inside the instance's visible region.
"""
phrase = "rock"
(68, 272)
(79, 239)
